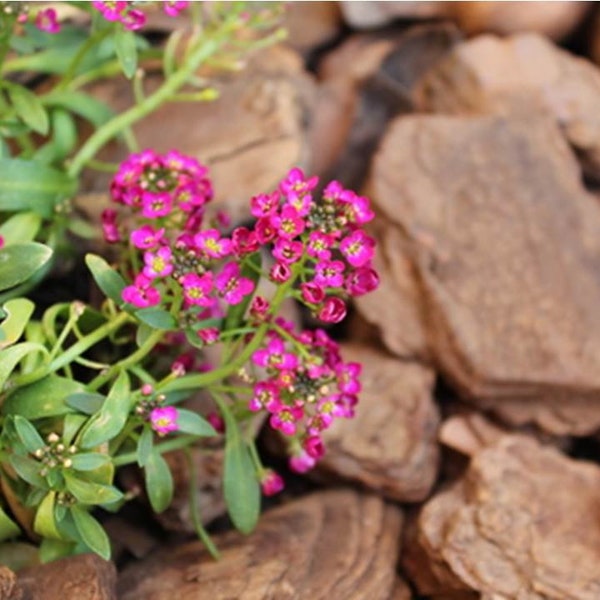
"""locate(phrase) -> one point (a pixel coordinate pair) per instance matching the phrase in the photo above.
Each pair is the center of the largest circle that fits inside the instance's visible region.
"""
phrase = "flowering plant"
(84, 389)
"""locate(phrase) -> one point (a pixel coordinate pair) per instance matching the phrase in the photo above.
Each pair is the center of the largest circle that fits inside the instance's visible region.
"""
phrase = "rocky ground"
(471, 470)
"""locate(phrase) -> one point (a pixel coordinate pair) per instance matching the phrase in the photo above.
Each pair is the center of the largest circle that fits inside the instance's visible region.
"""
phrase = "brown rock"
(9, 589)
(311, 24)
(367, 14)
(81, 577)
(390, 446)
(552, 19)
(328, 545)
(522, 524)
(495, 75)
(469, 433)
(250, 137)
(510, 281)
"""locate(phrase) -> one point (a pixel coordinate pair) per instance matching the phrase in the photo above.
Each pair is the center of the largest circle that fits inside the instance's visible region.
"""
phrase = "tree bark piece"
(336, 544)
(390, 446)
(521, 525)
(506, 243)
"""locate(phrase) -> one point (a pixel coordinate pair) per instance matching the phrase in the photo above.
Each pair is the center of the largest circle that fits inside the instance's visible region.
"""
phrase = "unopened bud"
(53, 438)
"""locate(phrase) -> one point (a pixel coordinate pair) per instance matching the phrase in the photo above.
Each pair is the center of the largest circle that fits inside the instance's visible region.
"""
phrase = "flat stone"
(311, 24)
(81, 577)
(490, 74)
(522, 524)
(510, 283)
(9, 588)
(336, 544)
(366, 14)
(390, 446)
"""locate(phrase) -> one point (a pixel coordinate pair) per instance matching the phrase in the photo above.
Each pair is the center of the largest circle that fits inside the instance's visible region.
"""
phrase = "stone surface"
(506, 242)
(552, 19)
(81, 577)
(367, 14)
(250, 137)
(390, 446)
(493, 75)
(336, 544)
(311, 24)
(523, 524)
(9, 589)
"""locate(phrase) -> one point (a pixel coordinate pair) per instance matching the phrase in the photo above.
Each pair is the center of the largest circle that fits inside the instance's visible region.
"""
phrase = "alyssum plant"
(85, 390)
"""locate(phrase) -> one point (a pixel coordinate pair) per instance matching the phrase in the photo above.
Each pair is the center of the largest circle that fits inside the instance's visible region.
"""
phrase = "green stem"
(74, 351)
(120, 122)
(175, 444)
(194, 501)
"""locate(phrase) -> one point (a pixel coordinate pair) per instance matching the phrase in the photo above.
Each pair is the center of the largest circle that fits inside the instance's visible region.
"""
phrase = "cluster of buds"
(54, 454)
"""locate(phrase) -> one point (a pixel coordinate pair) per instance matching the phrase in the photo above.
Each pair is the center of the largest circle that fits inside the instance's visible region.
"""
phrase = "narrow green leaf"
(157, 318)
(240, 484)
(91, 532)
(27, 469)
(22, 227)
(18, 312)
(8, 528)
(84, 105)
(28, 434)
(159, 482)
(28, 185)
(28, 107)
(108, 280)
(191, 422)
(10, 357)
(71, 425)
(88, 492)
(142, 334)
(144, 446)
(85, 402)
(112, 416)
(89, 461)
(45, 522)
(42, 399)
(126, 48)
(18, 262)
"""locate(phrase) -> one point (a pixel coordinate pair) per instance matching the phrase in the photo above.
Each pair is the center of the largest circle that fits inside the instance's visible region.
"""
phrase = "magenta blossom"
(287, 251)
(312, 293)
(141, 293)
(319, 245)
(358, 248)
(302, 462)
(232, 286)
(286, 419)
(212, 244)
(348, 377)
(209, 335)
(361, 281)
(271, 483)
(159, 263)
(333, 310)
(264, 205)
(266, 395)
(329, 273)
(47, 20)
(197, 288)
(280, 272)
(146, 237)
(275, 356)
(289, 224)
(164, 419)
(172, 8)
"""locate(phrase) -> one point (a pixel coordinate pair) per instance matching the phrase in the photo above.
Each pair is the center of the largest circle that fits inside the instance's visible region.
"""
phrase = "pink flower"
(358, 248)
(312, 293)
(302, 462)
(313, 446)
(333, 310)
(173, 7)
(159, 263)
(285, 419)
(46, 20)
(357, 209)
(329, 273)
(232, 286)
(297, 190)
(347, 377)
(2, 241)
(280, 272)
(164, 419)
(197, 289)
(289, 224)
(271, 483)
(319, 245)
(209, 335)
(275, 356)
(146, 237)
(243, 241)
(259, 308)
(264, 205)
(266, 395)
(110, 229)
(141, 294)
(134, 19)
(265, 230)
(212, 244)
(361, 281)
(216, 421)
(111, 11)
(156, 204)
(287, 251)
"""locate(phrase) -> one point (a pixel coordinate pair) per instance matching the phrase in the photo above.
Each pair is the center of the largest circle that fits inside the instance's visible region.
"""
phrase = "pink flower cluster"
(132, 18)
(308, 386)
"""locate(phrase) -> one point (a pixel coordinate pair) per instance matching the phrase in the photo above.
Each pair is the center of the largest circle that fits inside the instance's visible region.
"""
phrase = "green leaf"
(22, 227)
(18, 262)
(10, 357)
(43, 398)
(157, 318)
(191, 422)
(85, 402)
(31, 185)
(28, 107)
(250, 270)
(8, 528)
(159, 481)
(91, 532)
(112, 417)
(27, 469)
(18, 312)
(88, 492)
(28, 434)
(240, 484)
(84, 105)
(51, 549)
(63, 140)
(89, 461)
(45, 522)
(108, 280)
(144, 446)
(126, 49)
(142, 334)
(71, 426)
